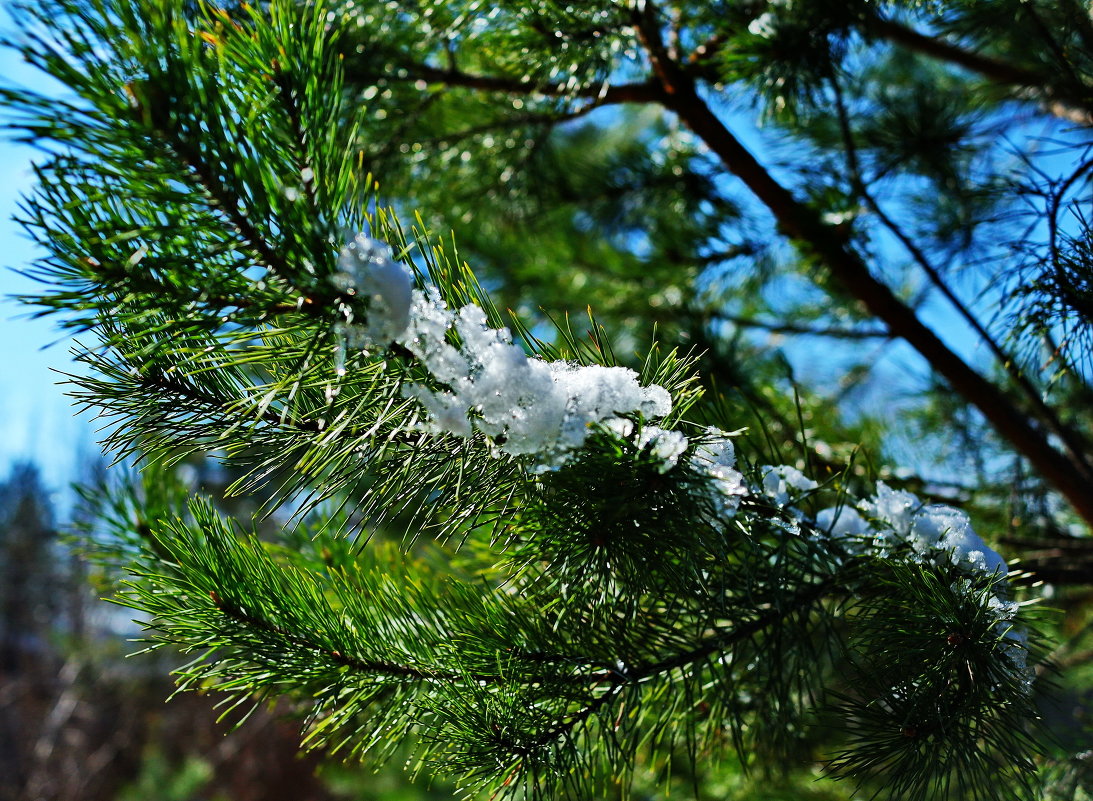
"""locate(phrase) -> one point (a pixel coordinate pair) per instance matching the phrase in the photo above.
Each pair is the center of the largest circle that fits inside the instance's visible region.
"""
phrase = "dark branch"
(802, 223)
(228, 205)
(805, 330)
(159, 382)
(368, 666)
(604, 94)
(990, 68)
(532, 119)
(624, 675)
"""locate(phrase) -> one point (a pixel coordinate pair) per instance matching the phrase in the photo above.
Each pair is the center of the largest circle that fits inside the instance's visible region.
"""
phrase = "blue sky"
(38, 421)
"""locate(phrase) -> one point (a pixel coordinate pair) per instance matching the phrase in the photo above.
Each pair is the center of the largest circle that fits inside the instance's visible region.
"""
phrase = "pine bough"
(590, 580)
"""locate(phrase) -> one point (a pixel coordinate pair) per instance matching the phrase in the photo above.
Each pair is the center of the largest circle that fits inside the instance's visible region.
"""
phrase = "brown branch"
(802, 223)
(993, 69)
(1079, 547)
(726, 254)
(1054, 568)
(1001, 72)
(605, 94)
(1061, 559)
(805, 330)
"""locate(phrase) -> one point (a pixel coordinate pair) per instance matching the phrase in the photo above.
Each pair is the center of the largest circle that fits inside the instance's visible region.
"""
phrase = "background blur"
(78, 721)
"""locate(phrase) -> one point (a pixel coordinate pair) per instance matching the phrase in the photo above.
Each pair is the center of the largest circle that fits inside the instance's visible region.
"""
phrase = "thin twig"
(1072, 438)
(606, 93)
(993, 69)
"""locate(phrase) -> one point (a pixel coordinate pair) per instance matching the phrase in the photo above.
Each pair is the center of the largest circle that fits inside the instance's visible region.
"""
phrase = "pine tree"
(534, 561)
(29, 574)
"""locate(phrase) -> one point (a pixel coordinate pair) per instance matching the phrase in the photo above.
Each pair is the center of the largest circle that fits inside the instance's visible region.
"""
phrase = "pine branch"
(619, 566)
(604, 94)
(614, 677)
(244, 586)
(194, 398)
(1073, 109)
(1072, 438)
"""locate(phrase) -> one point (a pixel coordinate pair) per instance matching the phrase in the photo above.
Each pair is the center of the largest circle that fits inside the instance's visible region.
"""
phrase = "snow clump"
(526, 405)
(933, 531)
(765, 25)
(366, 269)
(665, 446)
(842, 522)
(783, 483)
(716, 459)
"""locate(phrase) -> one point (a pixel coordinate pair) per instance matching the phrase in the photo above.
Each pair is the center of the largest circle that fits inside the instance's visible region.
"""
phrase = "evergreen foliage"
(536, 561)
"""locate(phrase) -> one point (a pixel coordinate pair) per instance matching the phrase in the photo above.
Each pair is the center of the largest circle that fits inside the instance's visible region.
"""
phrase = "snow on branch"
(527, 406)
(547, 410)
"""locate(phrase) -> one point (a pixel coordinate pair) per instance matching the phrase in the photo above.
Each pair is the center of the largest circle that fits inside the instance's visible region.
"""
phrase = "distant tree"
(30, 566)
(28, 605)
(541, 561)
(78, 720)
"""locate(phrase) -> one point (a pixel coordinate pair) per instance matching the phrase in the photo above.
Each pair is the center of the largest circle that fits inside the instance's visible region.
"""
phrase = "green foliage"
(943, 655)
(160, 780)
(648, 602)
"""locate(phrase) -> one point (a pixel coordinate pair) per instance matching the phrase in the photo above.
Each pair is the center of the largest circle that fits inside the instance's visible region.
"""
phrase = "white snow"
(716, 459)
(527, 406)
(784, 483)
(366, 269)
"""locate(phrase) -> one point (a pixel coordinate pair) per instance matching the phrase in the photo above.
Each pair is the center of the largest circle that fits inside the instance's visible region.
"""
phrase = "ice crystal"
(1003, 609)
